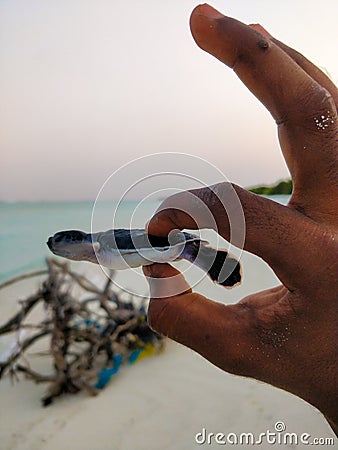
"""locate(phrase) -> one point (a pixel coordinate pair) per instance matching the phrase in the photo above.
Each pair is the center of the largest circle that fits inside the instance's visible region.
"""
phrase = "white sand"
(159, 403)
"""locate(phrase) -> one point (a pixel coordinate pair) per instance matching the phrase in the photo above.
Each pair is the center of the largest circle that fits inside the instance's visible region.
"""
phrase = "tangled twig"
(89, 337)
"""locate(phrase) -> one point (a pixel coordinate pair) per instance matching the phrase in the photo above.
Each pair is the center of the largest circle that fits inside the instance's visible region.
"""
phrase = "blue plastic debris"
(105, 375)
(134, 356)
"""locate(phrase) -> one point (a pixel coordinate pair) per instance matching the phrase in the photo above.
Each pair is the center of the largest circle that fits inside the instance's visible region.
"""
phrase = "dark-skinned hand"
(287, 335)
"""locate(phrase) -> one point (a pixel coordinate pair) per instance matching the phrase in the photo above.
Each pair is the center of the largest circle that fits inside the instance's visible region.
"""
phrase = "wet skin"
(287, 335)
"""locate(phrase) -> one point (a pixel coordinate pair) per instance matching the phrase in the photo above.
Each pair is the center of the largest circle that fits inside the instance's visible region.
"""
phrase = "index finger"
(270, 229)
(302, 108)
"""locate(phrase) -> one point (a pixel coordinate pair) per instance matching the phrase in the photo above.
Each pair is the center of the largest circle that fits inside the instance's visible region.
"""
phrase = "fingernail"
(147, 271)
(210, 12)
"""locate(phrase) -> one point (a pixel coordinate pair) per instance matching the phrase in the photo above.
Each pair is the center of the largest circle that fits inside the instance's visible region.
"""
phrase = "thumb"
(219, 333)
(169, 294)
(165, 281)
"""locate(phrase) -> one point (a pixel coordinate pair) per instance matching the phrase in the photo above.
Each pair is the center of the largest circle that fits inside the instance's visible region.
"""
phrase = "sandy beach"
(161, 402)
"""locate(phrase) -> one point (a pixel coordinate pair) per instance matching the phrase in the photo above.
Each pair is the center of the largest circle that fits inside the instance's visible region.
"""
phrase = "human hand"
(287, 335)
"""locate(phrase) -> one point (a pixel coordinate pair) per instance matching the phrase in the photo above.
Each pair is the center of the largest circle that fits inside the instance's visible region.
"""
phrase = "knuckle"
(318, 98)
(313, 110)
(315, 101)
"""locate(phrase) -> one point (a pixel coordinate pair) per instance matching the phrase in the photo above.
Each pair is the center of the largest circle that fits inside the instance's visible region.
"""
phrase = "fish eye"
(58, 238)
(72, 236)
(76, 236)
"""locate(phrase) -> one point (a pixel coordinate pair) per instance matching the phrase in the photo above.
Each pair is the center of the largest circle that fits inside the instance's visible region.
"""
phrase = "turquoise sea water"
(25, 227)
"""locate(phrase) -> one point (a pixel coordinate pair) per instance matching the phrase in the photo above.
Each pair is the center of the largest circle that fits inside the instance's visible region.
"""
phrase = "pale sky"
(88, 85)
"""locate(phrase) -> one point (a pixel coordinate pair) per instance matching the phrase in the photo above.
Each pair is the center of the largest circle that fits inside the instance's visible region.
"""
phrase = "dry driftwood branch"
(88, 337)
(23, 277)
(20, 349)
(14, 323)
(80, 279)
(37, 377)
